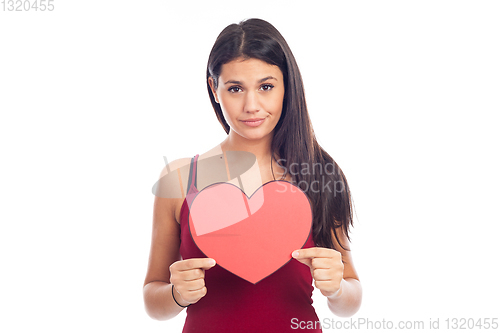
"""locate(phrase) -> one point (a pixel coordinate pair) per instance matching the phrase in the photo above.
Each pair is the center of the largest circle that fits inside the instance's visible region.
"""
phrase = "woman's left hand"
(326, 267)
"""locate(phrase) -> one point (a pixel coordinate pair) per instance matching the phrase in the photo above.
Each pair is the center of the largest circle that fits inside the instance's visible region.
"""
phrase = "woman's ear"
(211, 83)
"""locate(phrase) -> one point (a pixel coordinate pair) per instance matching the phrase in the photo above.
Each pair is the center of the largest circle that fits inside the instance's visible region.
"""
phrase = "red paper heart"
(254, 236)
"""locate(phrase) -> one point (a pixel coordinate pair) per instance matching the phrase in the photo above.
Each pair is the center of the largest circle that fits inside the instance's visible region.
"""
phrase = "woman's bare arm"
(348, 301)
(165, 243)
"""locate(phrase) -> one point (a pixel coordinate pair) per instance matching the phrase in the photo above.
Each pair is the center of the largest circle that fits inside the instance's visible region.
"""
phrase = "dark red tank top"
(278, 303)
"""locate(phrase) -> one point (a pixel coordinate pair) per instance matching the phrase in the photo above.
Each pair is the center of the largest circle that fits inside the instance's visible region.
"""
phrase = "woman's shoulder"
(172, 181)
(174, 176)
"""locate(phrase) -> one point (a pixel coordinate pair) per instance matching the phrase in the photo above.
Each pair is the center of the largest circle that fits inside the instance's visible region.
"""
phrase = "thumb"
(203, 263)
(208, 263)
(304, 260)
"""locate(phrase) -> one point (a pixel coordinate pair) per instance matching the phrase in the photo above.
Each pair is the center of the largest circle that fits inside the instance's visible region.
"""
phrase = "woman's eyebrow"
(260, 81)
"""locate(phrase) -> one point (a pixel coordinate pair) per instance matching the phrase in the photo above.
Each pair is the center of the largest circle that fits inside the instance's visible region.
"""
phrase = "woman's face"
(250, 94)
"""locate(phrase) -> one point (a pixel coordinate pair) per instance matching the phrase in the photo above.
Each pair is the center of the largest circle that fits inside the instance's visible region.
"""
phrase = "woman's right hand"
(188, 279)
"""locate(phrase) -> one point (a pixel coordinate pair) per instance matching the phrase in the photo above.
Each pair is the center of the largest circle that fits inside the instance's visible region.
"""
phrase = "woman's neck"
(260, 148)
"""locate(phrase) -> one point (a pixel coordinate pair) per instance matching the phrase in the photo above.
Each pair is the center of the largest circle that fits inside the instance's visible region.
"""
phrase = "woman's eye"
(232, 89)
(267, 87)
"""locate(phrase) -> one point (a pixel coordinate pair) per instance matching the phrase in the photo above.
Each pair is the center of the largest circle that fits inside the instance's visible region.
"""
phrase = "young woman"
(257, 93)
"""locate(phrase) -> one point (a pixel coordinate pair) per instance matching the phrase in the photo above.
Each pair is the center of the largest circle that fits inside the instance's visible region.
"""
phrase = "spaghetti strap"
(191, 187)
(195, 167)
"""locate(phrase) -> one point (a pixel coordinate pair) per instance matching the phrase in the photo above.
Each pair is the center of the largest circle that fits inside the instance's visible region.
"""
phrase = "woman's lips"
(253, 122)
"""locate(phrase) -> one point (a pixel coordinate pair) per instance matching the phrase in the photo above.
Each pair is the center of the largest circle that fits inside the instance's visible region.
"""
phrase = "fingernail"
(295, 254)
(211, 262)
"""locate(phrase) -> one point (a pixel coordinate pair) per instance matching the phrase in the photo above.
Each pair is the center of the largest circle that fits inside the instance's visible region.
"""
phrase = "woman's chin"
(254, 135)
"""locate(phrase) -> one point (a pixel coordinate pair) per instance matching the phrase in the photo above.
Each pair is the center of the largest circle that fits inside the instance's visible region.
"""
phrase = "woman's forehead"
(249, 70)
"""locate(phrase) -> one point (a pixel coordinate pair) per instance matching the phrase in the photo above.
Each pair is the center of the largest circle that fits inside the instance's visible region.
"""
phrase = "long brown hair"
(294, 140)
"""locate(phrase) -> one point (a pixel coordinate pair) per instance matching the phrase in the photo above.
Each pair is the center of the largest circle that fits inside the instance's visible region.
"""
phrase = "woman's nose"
(251, 102)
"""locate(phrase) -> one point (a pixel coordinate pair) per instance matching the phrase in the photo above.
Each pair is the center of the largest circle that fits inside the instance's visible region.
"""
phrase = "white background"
(403, 94)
